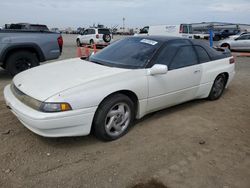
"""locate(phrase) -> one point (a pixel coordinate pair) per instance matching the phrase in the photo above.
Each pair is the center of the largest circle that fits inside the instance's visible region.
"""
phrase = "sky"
(137, 13)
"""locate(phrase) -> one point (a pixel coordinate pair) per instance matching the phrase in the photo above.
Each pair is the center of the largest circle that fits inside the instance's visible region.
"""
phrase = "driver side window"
(185, 57)
(85, 32)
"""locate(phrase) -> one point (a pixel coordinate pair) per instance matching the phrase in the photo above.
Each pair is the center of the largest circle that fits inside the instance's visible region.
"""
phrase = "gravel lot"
(199, 144)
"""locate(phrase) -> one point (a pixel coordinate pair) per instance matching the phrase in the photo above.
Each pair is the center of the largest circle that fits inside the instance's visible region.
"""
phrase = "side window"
(243, 37)
(166, 55)
(202, 54)
(168, 52)
(85, 32)
(92, 31)
(185, 56)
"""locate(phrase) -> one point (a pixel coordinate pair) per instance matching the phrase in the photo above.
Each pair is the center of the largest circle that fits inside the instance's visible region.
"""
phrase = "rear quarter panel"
(210, 71)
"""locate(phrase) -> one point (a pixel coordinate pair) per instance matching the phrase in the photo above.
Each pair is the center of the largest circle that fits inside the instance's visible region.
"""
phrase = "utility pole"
(123, 20)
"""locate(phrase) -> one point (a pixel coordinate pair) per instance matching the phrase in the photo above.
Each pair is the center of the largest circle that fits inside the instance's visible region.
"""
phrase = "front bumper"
(61, 124)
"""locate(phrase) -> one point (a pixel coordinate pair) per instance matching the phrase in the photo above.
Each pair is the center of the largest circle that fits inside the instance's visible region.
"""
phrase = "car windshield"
(132, 52)
(103, 31)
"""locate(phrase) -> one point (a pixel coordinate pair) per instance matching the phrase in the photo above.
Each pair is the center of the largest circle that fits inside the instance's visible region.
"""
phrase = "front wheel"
(218, 87)
(78, 43)
(114, 117)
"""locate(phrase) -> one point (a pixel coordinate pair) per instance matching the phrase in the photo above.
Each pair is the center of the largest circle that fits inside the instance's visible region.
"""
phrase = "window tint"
(86, 32)
(131, 52)
(202, 54)
(244, 37)
(168, 52)
(184, 57)
(104, 31)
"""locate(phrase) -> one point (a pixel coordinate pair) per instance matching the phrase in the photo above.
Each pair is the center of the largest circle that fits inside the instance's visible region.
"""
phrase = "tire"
(20, 61)
(106, 38)
(91, 42)
(218, 87)
(216, 38)
(78, 43)
(225, 45)
(114, 117)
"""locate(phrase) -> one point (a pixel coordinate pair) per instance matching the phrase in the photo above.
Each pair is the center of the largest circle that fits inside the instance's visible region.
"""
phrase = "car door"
(182, 80)
(241, 43)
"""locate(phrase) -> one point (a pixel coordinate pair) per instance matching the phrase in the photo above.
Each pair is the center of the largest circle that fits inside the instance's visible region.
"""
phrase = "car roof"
(158, 38)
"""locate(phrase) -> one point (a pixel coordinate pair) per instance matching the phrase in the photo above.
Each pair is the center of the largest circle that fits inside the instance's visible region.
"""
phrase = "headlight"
(55, 107)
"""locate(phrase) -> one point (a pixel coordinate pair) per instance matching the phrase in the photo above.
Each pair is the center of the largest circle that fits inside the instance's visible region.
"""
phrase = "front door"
(180, 83)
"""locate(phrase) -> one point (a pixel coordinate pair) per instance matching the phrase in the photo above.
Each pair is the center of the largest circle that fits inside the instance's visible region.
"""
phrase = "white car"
(127, 80)
(98, 36)
(241, 43)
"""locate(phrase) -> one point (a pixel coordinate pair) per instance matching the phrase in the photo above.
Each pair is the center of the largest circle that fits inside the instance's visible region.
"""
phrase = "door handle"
(197, 71)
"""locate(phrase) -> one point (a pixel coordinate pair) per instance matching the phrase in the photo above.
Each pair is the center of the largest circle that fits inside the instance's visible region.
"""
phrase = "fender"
(14, 47)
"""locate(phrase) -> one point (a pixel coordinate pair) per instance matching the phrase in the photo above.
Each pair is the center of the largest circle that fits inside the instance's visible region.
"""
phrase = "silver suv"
(98, 36)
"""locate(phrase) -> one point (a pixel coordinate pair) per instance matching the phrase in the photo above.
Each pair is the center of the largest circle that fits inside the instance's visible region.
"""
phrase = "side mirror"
(158, 69)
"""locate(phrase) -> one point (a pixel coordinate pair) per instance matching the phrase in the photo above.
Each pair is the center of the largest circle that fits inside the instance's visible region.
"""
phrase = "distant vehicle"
(241, 43)
(56, 30)
(98, 36)
(238, 34)
(125, 81)
(201, 35)
(1, 28)
(218, 35)
(182, 30)
(24, 49)
(143, 31)
(27, 26)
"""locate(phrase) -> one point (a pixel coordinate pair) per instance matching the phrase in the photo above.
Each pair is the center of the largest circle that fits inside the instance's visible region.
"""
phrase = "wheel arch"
(125, 92)
(128, 93)
(225, 44)
(30, 48)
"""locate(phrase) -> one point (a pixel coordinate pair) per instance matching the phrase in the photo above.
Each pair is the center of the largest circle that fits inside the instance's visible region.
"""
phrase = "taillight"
(60, 42)
(97, 36)
(231, 60)
(181, 29)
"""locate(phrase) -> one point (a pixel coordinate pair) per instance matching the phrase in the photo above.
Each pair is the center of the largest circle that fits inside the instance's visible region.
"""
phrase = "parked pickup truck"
(24, 49)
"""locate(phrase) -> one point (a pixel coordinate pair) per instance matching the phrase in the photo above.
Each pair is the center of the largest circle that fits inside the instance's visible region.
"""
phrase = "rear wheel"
(218, 87)
(114, 117)
(217, 38)
(91, 42)
(20, 61)
(78, 43)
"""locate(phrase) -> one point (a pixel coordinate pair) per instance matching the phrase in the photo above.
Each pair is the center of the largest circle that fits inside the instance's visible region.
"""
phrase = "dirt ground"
(199, 144)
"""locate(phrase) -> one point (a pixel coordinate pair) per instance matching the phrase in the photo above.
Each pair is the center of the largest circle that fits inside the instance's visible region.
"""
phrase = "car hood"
(47, 80)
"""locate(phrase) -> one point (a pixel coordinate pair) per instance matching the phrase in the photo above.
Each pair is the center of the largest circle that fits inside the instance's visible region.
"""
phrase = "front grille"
(25, 99)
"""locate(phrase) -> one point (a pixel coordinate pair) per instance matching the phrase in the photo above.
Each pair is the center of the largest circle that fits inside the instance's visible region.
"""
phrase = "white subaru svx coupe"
(125, 81)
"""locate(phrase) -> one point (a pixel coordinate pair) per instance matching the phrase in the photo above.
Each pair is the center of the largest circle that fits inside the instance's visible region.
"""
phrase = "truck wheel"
(216, 38)
(20, 61)
(114, 117)
(91, 42)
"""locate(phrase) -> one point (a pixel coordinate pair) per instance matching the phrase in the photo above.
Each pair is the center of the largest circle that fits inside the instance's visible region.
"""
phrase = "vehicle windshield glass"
(131, 53)
(103, 31)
